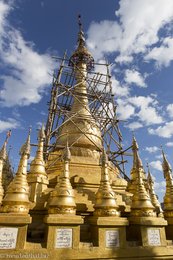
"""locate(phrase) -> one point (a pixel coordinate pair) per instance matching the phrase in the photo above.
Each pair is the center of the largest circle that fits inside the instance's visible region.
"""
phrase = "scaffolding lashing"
(102, 107)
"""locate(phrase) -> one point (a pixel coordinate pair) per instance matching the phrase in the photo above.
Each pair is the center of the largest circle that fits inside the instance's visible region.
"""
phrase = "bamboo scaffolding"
(102, 107)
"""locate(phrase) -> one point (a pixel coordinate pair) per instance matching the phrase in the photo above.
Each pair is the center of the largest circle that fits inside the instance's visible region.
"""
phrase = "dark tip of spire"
(81, 54)
(30, 128)
(8, 136)
(163, 154)
(148, 167)
(79, 22)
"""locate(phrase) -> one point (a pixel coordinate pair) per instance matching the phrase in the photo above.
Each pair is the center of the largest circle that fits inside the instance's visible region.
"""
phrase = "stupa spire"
(3, 151)
(105, 204)
(38, 164)
(168, 198)
(3, 157)
(37, 176)
(62, 200)
(137, 162)
(152, 194)
(141, 202)
(81, 54)
(167, 171)
(81, 126)
(16, 199)
(81, 37)
(137, 167)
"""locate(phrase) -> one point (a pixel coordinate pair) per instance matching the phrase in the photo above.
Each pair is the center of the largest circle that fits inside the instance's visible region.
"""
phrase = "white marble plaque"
(63, 238)
(112, 238)
(154, 237)
(8, 237)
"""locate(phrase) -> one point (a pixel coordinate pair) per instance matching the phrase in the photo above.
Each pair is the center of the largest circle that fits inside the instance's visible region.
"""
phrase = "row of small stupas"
(144, 202)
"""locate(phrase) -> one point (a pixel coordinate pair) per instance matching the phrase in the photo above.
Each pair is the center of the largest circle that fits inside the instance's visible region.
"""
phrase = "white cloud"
(104, 37)
(149, 115)
(137, 30)
(118, 90)
(160, 186)
(31, 158)
(159, 156)
(8, 124)
(169, 109)
(152, 149)
(134, 125)
(156, 165)
(163, 55)
(144, 110)
(29, 71)
(124, 110)
(169, 144)
(139, 101)
(164, 131)
(4, 10)
(124, 59)
(147, 109)
(134, 77)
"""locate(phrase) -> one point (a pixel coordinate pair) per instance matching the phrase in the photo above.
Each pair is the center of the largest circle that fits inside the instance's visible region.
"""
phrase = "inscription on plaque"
(63, 238)
(8, 237)
(112, 238)
(154, 237)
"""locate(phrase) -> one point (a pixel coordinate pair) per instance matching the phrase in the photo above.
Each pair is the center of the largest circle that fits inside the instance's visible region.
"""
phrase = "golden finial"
(81, 38)
(141, 203)
(168, 198)
(104, 158)
(136, 159)
(38, 164)
(105, 204)
(167, 171)
(149, 178)
(3, 151)
(134, 143)
(81, 54)
(37, 176)
(137, 167)
(67, 154)
(26, 147)
(3, 157)
(16, 199)
(152, 194)
(62, 200)
(41, 134)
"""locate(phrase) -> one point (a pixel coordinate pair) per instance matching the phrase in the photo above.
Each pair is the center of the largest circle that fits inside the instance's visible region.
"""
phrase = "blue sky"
(135, 36)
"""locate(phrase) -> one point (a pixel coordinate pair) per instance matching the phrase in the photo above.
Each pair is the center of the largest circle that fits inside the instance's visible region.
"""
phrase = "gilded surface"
(62, 199)
(168, 198)
(80, 128)
(105, 204)
(141, 202)
(16, 199)
(153, 196)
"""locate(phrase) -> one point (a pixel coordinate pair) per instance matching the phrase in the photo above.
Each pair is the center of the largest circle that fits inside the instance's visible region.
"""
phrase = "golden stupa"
(74, 201)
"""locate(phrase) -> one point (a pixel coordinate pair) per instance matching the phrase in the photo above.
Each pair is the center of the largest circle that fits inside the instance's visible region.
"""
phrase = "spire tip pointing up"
(81, 54)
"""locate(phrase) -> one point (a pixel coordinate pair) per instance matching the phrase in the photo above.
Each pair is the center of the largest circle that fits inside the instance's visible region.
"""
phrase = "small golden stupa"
(168, 198)
(153, 195)
(3, 156)
(75, 200)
